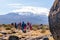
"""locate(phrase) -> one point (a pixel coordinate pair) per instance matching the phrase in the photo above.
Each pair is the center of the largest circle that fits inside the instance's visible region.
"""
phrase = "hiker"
(23, 26)
(19, 25)
(16, 25)
(30, 26)
(12, 24)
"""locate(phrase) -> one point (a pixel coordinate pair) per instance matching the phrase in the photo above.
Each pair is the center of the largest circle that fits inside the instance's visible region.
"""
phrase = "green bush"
(35, 27)
(43, 29)
(4, 25)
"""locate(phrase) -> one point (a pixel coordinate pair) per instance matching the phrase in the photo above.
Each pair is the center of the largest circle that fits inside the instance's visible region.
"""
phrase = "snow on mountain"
(35, 15)
(16, 17)
(34, 10)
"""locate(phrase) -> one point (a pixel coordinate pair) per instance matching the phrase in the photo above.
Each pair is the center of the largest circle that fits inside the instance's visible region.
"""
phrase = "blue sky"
(7, 6)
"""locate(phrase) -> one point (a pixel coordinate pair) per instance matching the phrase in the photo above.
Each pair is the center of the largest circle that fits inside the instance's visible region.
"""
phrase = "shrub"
(35, 27)
(43, 29)
(4, 25)
(8, 28)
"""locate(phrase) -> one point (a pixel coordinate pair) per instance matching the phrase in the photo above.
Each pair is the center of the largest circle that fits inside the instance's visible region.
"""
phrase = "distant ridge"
(28, 16)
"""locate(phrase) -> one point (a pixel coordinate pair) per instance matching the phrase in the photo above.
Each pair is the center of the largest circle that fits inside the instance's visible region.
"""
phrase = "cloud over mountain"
(35, 10)
(15, 17)
(20, 12)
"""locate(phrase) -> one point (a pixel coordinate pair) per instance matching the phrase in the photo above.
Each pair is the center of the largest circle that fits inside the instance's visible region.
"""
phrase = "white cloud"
(35, 10)
(15, 4)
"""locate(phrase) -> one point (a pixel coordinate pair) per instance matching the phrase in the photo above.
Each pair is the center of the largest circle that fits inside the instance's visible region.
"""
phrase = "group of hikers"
(23, 26)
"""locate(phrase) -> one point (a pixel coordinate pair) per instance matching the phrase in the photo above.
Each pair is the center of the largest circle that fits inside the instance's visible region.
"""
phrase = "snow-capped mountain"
(23, 16)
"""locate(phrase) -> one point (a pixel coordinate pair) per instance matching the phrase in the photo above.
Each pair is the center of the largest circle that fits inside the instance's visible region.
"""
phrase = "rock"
(24, 31)
(9, 31)
(54, 20)
(4, 33)
(46, 39)
(1, 35)
(5, 38)
(13, 32)
(13, 38)
(1, 39)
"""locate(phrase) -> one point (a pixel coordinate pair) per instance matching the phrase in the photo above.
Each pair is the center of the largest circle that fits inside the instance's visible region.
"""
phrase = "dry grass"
(33, 33)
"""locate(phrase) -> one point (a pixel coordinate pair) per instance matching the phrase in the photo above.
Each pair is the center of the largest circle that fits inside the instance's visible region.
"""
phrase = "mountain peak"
(12, 13)
(17, 17)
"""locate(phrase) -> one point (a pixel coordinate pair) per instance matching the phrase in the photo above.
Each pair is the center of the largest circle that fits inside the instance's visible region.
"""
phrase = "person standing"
(12, 24)
(30, 26)
(19, 25)
(23, 26)
(16, 25)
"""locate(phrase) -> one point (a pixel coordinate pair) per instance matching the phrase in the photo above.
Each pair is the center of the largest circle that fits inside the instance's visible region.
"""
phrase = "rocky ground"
(31, 35)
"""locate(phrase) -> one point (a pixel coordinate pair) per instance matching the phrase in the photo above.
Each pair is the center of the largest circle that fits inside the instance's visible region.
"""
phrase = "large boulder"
(13, 38)
(54, 20)
(46, 39)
